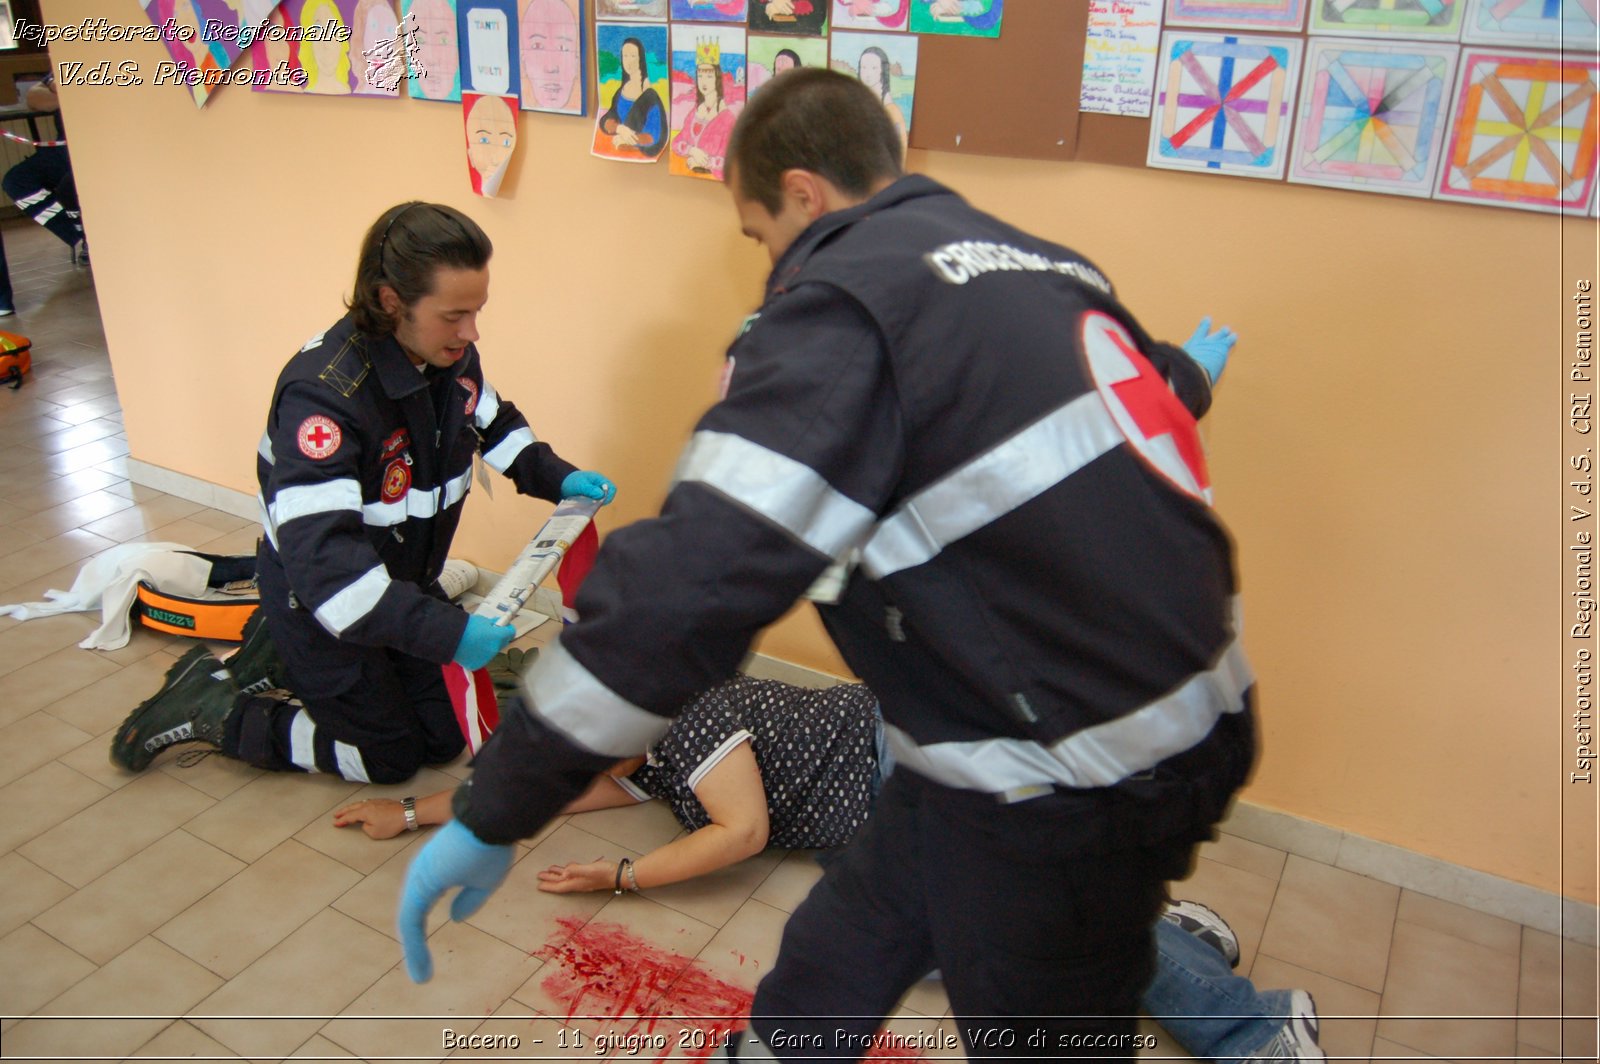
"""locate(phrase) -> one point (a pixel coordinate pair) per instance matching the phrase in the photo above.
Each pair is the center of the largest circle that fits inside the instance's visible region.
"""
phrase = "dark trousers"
(1039, 915)
(41, 186)
(397, 719)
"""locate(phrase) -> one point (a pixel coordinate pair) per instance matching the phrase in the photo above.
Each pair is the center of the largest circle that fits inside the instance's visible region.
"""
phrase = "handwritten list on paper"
(1119, 57)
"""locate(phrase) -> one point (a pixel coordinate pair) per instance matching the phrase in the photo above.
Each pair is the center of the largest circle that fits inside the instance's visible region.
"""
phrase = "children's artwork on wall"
(1120, 47)
(552, 60)
(887, 64)
(806, 18)
(1223, 103)
(631, 65)
(1286, 15)
(647, 10)
(960, 18)
(377, 49)
(322, 54)
(771, 56)
(487, 33)
(1420, 19)
(1522, 131)
(1372, 115)
(435, 61)
(1564, 24)
(708, 11)
(708, 89)
(872, 15)
(206, 54)
(276, 58)
(491, 127)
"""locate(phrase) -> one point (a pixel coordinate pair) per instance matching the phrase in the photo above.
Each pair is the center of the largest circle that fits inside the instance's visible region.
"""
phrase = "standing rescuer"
(1038, 591)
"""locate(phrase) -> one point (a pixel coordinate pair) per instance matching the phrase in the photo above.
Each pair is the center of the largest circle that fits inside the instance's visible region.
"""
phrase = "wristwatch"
(409, 805)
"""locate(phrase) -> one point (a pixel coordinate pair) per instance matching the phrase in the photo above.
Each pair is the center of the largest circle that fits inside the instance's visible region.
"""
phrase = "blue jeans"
(1213, 1013)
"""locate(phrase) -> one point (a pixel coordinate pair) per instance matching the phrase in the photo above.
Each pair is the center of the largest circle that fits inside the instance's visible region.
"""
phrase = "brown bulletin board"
(1016, 95)
(1115, 139)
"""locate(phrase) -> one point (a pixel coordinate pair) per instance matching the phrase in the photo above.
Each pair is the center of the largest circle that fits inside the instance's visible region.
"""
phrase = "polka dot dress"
(816, 750)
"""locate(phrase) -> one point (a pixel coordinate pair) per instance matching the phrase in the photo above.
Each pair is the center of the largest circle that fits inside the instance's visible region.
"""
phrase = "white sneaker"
(458, 578)
(1297, 1040)
(1205, 925)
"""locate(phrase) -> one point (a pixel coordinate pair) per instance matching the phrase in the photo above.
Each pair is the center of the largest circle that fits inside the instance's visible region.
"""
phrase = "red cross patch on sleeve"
(472, 393)
(318, 437)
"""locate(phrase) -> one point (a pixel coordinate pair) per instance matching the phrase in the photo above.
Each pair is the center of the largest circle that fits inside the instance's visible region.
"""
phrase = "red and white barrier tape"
(33, 143)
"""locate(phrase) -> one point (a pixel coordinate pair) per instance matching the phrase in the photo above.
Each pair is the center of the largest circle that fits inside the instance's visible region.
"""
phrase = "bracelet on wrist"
(625, 863)
(408, 806)
(633, 884)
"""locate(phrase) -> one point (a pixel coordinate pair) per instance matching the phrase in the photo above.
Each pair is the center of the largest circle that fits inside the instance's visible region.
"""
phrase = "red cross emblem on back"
(1155, 422)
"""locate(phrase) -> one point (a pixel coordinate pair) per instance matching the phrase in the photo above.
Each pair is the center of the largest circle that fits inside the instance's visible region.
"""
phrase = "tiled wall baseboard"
(1545, 910)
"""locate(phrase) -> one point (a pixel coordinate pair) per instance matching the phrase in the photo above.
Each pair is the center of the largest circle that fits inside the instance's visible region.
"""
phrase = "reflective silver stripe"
(505, 452)
(302, 741)
(266, 521)
(28, 201)
(788, 493)
(1095, 757)
(488, 406)
(351, 767)
(264, 448)
(355, 601)
(416, 503)
(570, 699)
(1018, 469)
(306, 500)
(45, 216)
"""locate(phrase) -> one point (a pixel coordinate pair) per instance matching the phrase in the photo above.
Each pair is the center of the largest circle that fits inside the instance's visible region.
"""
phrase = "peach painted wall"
(1386, 448)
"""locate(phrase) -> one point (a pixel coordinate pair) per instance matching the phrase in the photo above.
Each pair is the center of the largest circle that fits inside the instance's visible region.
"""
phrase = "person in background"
(42, 187)
(364, 468)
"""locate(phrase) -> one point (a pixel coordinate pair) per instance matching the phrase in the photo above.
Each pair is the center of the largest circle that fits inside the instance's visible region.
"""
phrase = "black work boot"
(192, 706)
(256, 666)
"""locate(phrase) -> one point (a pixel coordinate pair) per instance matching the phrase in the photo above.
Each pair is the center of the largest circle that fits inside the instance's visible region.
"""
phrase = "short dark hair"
(404, 249)
(813, 119)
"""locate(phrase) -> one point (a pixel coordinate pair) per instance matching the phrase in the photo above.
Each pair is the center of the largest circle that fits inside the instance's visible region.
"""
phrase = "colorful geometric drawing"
(1523, 132)
(1223, 103)
(886, 63)
(708, 10)
(876, 15)
(708, 91)
(1565, 24)
(435, 60)
(771, 56)
(1424, 19)
(631, 61)
(553, 57)
(1238, 14)
(647, 10)
(217, 32)
(958, 18)
(1372, 115)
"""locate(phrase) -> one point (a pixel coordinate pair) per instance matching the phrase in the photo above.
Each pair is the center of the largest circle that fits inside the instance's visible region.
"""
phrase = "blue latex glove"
(454, 857)
(589, 484)
(1210, 349)
(482, 640)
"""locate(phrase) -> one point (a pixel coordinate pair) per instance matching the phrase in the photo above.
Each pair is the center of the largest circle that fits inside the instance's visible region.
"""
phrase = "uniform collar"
(909, 187)
(396, 372)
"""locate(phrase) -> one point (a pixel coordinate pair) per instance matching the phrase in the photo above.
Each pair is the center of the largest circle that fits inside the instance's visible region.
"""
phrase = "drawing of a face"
(549, 52)
(705, 80)
(870, 70)
(436, 48)
(630, 60)
(379, 32)
(491, 136)
(327, 55)
(785, 61)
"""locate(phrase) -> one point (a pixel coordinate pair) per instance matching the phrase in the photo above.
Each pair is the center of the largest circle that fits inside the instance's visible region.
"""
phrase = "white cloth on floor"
(110, 582)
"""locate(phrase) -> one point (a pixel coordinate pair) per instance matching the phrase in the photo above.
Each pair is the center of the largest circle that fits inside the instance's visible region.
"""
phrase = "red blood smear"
(604, 970)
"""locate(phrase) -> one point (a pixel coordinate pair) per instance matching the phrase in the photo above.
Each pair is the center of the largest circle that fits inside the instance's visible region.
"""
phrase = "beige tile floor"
(214, 910)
